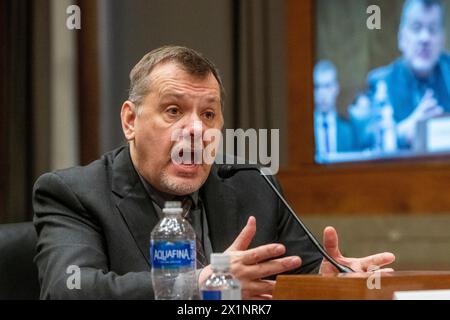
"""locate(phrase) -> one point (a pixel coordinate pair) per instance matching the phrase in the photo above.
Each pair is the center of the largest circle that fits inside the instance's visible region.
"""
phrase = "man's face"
(177, 103)
(422, 38)
(326, 90)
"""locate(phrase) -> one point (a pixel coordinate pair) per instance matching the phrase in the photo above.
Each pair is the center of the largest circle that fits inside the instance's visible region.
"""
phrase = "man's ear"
(128, 118)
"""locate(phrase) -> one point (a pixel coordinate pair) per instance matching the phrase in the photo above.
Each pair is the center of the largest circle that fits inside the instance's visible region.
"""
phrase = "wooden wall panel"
(369, 190)
(16, 108)
(300, 39)
(89, 82)
(418, 242)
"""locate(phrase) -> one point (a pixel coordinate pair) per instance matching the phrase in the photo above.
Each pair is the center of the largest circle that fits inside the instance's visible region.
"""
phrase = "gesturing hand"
(427, 108)
(365, 264)
(250, 266)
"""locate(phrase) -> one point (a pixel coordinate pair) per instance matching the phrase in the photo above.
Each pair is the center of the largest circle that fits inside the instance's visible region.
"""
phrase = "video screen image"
(381, 80)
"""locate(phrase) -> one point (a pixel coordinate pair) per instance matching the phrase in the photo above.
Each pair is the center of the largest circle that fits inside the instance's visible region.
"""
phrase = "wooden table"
(357, 286)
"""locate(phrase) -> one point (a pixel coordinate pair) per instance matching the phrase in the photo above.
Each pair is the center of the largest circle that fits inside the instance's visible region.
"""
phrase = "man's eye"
(209, 115)
(434, 29)
(173, 111)
(416, 27)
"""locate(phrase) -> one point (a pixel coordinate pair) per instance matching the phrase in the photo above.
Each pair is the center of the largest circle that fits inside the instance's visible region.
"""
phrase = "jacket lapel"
(445, 71)
(133, 202)
(400, 89)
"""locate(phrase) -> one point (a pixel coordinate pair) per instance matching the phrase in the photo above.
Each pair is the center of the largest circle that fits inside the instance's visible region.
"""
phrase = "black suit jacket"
(99, 218)
(344, 135)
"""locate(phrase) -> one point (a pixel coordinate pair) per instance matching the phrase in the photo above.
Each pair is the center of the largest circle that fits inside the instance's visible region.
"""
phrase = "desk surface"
(358, 286)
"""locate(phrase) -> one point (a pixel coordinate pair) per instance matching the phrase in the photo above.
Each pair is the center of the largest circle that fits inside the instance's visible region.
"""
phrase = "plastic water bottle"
(173, 256)
(390, 134)
(220, 285)
(386, 136)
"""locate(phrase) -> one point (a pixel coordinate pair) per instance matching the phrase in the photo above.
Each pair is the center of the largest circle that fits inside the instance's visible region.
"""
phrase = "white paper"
(422, 295)
(438, 135)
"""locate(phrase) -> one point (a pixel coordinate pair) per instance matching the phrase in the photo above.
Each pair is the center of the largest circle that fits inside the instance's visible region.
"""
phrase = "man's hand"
(366, 264)
(427, 108)
(251, 265)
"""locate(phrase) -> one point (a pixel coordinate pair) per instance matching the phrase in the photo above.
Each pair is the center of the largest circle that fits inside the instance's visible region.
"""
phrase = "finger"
(244, 239)
(429, 103)
(377, 260)
(262, 297)
(433, 112)
(262, 253)
(424, 106)
(258, 287)
(429, 93)
(268, 268)
(331, 242)
(204, 274)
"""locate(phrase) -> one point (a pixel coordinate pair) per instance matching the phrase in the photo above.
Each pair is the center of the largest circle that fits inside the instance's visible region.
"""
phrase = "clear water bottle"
(390, 133)
(173, 256)
(220, 285)
(386, 136)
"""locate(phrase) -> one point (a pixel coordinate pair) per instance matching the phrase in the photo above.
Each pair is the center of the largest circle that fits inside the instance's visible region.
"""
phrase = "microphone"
(227, 171)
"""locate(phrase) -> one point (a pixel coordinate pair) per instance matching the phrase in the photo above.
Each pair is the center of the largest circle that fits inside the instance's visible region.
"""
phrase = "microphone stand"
(340, 267)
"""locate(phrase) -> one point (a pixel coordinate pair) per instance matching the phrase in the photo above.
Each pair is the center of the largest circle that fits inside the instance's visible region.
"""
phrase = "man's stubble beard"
(179, 188)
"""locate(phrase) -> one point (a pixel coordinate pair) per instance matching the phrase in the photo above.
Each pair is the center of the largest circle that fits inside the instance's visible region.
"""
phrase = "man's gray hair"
(188, 59)
(324, 66)
(427, 4)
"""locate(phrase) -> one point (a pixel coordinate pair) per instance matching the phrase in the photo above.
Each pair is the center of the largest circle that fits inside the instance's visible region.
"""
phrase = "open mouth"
(424, 53)
(188, 157)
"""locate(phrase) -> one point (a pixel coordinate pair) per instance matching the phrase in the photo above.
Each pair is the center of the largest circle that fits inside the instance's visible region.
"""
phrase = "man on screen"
(418, 82)
(99, 217)
(332, 133)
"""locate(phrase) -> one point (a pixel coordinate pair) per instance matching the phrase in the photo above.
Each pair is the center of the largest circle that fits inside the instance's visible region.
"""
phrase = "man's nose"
(424, 35)
(195, 126)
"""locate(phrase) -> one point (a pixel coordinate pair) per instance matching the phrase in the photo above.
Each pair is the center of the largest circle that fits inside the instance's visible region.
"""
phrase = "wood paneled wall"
(89, 83)
(15, 115)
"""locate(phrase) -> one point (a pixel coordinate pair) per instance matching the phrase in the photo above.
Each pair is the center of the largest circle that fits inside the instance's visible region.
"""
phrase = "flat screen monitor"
(381, 80)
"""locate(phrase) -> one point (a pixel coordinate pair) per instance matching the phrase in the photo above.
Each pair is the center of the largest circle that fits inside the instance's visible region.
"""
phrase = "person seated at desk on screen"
(419, 81)
(99, 217)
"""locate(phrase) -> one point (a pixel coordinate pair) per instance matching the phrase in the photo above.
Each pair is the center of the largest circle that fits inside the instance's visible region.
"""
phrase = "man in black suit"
(333, 134)
(98, 218)
(419, 81)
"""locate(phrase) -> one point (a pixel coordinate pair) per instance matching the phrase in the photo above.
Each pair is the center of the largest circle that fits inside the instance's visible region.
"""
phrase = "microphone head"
(226, 171)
